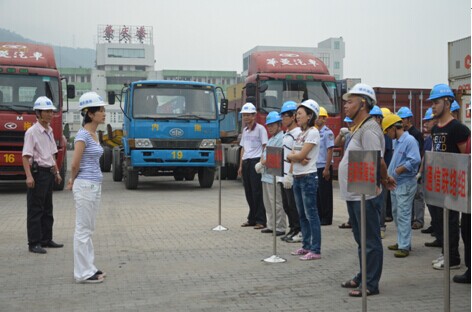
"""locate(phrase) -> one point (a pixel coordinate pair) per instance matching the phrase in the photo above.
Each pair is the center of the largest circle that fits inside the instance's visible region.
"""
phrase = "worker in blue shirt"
(403, 169)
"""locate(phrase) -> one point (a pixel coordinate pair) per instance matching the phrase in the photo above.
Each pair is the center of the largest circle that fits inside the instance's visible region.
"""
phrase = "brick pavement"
(160, 254)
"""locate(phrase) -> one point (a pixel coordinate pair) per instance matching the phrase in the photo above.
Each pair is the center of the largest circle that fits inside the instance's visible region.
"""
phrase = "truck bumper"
(173, 158)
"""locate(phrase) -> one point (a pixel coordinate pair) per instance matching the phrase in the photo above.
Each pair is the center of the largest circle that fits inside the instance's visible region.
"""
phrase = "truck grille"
(11, 140)
(176, 144)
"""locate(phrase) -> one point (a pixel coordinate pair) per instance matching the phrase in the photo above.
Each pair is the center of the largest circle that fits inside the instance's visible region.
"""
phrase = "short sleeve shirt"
(40, 145)
(312, 136)
(368, 137)
(252, 141)
(447, 137)
(326, 142)
(289, 141)
(90, 162)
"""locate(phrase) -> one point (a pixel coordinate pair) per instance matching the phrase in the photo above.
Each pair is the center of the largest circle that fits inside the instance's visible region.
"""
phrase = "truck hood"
(175, 129)
(10, 121)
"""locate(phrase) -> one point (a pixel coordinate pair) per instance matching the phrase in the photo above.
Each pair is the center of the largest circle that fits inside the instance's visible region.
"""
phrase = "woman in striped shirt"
(85, 182)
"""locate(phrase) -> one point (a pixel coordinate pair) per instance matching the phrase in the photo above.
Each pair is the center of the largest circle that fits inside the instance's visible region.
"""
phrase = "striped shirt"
(90, 162)
(289, 141)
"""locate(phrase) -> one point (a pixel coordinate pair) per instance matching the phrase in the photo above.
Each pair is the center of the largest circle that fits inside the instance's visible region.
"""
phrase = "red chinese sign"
(275, 160)
(219, 155)
(362, 172)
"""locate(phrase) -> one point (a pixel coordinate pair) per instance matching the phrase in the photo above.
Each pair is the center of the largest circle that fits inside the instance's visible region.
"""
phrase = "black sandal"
(349, 284)
(96, 278)
(345, 225)
(358, 293)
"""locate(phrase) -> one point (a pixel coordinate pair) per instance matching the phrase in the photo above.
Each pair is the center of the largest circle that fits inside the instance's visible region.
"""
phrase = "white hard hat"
(361, 89)
(43, 103)
(248, 108)
(90, 99)
(312, 105)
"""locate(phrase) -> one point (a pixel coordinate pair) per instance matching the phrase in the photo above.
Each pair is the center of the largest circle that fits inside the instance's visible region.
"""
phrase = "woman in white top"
(305, 183)
(86, 184)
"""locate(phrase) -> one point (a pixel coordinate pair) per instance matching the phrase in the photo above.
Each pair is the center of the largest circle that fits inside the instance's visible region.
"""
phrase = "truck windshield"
(183, 102)
(279, 91)
(19, 92)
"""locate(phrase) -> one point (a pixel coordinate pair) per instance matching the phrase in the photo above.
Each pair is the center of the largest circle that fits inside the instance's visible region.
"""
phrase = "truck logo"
(19, 117)
(10, 125)
(176, 132)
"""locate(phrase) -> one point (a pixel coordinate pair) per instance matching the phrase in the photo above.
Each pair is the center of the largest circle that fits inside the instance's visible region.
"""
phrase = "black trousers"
(438, 212)
(465, 232)
(290, 208)
(325, 197)
(39, 218)
(253, 190)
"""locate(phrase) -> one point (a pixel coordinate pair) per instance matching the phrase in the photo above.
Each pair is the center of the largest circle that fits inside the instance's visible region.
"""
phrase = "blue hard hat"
(376, 111)
(273, 117)
(429, 114)
(439, 91)
(288, 106)
(404, 112)
(455, 106)
(347, 119)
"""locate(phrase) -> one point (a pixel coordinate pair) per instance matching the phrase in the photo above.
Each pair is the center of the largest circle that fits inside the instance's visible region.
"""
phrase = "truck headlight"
(142, 143)
(208, 143)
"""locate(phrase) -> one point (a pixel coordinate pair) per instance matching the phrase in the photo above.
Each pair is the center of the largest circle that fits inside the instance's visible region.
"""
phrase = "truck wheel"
(62, 172)
(131, 180)
(106, 159)
(117, 165)
(206, 176)
(224, 172)
(178, 176)
(231, 172)
(189, 176)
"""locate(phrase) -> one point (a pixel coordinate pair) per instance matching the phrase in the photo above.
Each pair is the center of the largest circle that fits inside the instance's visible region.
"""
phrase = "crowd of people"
(306, 191)
(304, 194)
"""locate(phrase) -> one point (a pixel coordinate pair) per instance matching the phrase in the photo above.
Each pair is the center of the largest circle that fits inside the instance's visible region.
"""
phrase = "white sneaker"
(295, 239)
(440, 266)
(438, 259)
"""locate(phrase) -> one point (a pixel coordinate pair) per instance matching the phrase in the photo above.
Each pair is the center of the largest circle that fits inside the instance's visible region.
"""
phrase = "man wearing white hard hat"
(253, 141)
(39, 163)
(366, 135)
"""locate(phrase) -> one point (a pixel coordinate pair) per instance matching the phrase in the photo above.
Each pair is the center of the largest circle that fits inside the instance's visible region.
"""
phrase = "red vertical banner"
(219, 155)
(275, 160)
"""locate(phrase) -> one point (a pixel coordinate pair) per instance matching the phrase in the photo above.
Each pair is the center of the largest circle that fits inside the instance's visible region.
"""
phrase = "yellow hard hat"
(389, 121)
(323, 112)
(385, 111)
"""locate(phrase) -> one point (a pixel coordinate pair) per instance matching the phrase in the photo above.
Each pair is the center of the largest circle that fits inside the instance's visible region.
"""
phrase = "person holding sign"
(305, 180)
(273, 123)
(403, 169)
(365, 135)
(449, 135)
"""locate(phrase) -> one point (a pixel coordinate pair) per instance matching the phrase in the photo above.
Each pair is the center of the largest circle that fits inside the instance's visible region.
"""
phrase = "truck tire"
(106, 159)
(131, 180)
(206, 176)
(178, 176)
(189, 176)
(223, 172)
(117, 165)
(231, 172)
(62, 172)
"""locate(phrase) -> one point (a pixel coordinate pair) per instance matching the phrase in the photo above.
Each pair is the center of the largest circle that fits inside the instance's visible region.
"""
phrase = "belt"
(299, 176)
(46, 169)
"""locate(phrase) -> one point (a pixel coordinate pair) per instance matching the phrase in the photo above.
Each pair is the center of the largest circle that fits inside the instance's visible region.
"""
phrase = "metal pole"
(421, 111)
(363, 254)
(219, 227)
(274, 258)
(447, 285)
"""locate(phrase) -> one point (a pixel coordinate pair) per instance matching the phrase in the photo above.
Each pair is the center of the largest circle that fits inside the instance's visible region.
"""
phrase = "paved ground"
(160, 254)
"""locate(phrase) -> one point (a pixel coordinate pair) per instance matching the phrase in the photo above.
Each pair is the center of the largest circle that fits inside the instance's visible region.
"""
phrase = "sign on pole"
(275, 160)
(446, 180)
(363, 171)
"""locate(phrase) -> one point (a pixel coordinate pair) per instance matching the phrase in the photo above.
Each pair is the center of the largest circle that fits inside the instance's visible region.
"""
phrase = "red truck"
(273, 78)
(28, 71)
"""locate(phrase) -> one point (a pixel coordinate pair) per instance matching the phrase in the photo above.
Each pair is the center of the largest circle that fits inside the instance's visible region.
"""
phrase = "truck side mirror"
(250, 89)
(70, 91)
(263, 87)
(111, 97)
(251, 99)
(224, 106)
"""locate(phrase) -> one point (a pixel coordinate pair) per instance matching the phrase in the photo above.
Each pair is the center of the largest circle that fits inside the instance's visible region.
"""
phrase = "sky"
(389, 43)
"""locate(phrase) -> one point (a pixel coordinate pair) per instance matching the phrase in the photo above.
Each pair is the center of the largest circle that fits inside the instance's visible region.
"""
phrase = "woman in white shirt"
(305, 183)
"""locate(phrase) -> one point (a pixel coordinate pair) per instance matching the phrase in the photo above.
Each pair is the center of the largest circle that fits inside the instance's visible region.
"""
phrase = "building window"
(76, 117)
(336, 45)
(125, 53)
(336, 65)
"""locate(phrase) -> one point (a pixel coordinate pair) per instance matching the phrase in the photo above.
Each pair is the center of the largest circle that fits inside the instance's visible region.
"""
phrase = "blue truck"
(171, 128)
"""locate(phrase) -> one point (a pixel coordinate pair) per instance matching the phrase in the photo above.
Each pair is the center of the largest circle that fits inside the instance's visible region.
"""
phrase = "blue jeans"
(304, 190)
(402, 202)
(374, 249)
